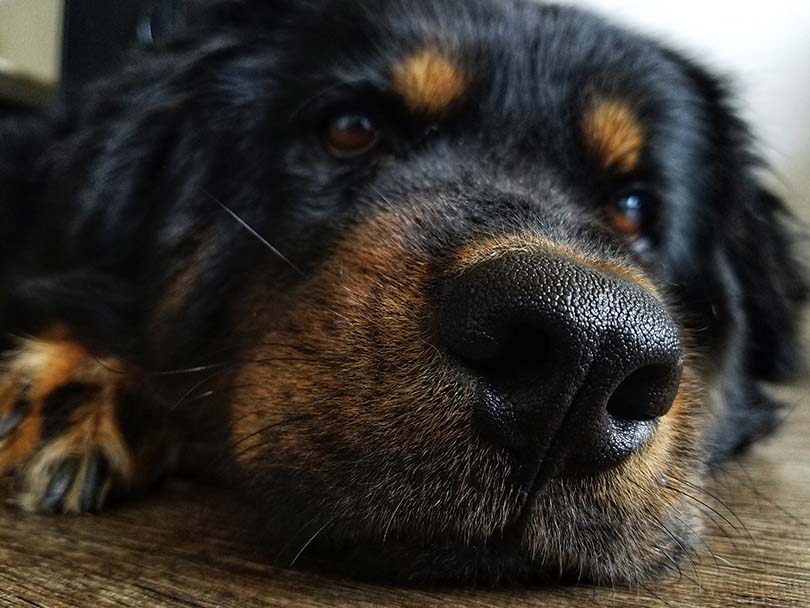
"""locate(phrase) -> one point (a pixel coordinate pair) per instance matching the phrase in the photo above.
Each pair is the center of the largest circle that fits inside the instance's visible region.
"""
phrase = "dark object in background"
(98, 34)
(13, 108)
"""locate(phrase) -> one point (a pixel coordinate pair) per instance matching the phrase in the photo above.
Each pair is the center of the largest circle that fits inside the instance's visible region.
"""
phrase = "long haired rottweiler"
(458, 291)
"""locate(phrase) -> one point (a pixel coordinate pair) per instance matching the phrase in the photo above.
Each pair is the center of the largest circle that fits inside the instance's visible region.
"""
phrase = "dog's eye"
(351, 135)
(628, 213)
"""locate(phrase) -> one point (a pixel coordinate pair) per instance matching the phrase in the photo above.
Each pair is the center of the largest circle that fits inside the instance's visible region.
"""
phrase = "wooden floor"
(180, 549)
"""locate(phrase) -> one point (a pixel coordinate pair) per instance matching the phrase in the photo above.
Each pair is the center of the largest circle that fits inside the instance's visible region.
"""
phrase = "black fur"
(101, 206)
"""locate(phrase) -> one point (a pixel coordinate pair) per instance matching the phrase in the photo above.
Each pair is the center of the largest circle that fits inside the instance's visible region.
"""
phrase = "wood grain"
(183, 548)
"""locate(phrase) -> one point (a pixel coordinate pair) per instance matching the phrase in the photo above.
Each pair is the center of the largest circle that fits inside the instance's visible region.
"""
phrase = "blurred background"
(50, 48)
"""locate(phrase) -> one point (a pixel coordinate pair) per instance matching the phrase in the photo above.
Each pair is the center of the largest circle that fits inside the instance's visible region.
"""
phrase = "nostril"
(647, 393)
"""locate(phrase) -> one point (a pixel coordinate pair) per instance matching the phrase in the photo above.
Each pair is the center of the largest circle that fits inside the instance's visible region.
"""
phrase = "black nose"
(572, 363)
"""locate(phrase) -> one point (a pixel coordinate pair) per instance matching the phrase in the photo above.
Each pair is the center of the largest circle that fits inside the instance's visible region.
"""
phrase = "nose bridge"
(478, 186)
(589, 309)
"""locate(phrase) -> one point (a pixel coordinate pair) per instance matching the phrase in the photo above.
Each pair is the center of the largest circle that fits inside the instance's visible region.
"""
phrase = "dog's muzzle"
(573, 364)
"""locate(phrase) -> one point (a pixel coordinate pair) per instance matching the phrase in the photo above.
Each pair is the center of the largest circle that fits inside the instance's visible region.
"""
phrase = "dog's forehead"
(432, 53)
(515, 85)
(493, 65)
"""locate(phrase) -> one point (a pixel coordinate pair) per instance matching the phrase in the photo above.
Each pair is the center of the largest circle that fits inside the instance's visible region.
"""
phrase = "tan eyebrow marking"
(614, 134)
(429, 81)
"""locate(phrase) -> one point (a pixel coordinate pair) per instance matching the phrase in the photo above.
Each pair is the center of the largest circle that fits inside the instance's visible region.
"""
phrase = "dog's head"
(500, 277)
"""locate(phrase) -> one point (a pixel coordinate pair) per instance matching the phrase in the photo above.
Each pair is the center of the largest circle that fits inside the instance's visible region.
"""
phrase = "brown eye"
(351, 135)
(628, 213)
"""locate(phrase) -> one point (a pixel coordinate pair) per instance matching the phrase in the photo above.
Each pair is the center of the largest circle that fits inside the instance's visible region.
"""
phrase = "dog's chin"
(595, 552)
(571, 532)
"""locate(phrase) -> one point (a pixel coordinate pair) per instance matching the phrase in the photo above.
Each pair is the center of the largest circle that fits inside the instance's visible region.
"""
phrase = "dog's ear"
(764, 242)
(765, 281)
(762, 247)
(765, 251)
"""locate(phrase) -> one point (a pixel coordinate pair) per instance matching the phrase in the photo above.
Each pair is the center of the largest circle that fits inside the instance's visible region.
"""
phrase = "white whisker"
(252, 231)
(309, 542)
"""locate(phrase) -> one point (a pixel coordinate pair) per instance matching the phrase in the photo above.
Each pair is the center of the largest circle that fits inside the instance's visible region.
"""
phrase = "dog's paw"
(59, 433)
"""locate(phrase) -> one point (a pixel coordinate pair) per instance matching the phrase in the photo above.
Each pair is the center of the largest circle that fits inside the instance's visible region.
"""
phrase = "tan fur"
(23, 440)
(93, 429)
(42, 366)
(656, 459)
(613, 132)
(429, 81)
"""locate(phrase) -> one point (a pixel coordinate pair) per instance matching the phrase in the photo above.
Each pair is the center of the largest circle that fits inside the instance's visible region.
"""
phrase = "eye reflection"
(628, 213)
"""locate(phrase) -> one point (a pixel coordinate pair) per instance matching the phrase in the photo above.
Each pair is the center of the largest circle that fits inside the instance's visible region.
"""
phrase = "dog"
(454, 292)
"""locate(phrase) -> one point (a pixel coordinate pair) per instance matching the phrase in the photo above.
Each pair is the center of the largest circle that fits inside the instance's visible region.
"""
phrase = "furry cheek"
(346, 401)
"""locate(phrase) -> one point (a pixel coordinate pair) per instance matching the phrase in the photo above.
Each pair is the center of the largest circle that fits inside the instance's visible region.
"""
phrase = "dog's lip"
(545, 471)
(550, 466)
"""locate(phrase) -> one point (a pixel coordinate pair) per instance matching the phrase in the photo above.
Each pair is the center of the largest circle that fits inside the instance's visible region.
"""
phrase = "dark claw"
(95, 483)
(59, 485)
(14, 418)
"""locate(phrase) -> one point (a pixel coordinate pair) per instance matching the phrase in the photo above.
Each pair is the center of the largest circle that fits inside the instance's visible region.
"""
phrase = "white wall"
(765, 47)
(30, 33)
